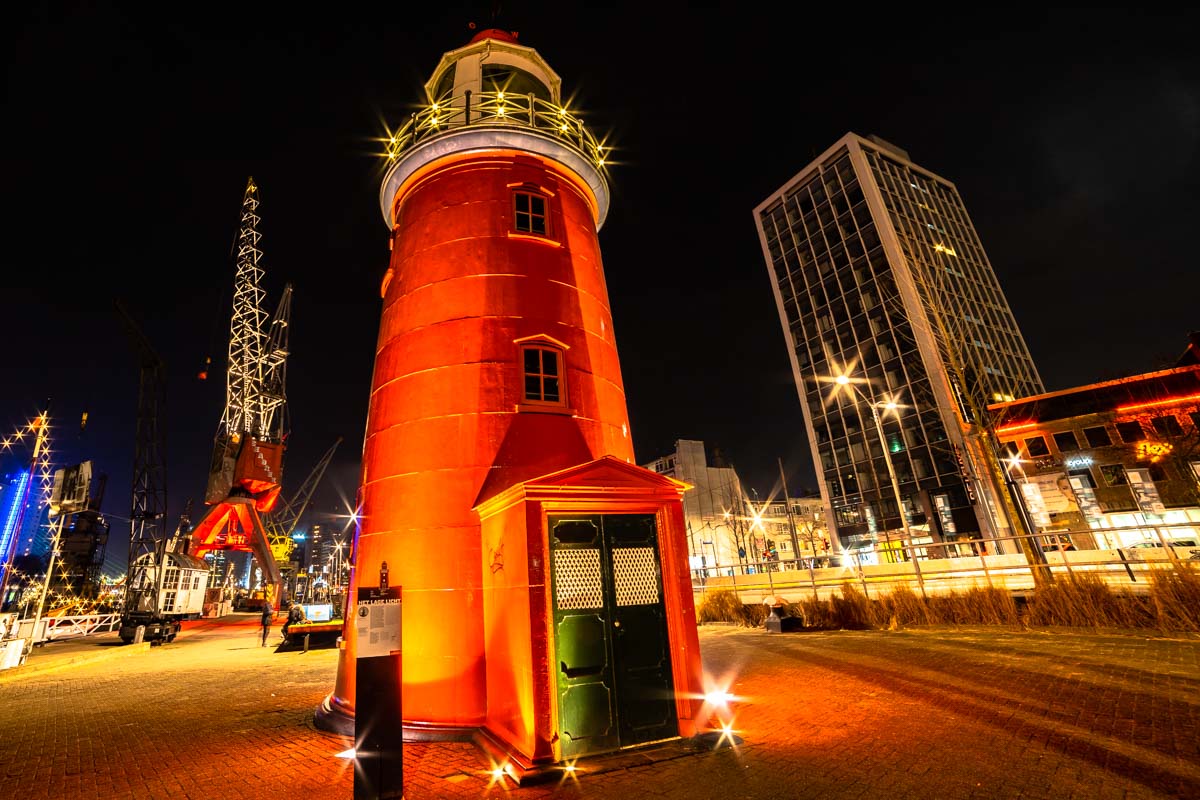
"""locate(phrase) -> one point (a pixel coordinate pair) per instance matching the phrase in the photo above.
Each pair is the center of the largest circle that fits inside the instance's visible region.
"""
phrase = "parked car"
(1137, 549)
(1171, 542)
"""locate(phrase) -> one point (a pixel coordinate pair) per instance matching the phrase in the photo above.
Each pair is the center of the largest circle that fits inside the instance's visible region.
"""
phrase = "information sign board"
(377, 622)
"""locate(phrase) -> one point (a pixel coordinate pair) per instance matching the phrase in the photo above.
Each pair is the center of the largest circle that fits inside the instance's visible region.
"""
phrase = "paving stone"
(921, 713)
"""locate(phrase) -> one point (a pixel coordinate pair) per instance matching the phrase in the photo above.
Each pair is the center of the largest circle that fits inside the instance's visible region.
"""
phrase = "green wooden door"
(610, 635)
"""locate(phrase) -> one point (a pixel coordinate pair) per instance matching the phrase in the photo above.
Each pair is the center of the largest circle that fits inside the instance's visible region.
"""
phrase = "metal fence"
(59, 628)
(941, 568)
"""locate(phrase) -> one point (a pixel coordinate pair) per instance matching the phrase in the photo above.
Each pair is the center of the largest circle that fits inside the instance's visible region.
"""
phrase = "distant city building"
(726, 529)
(1120, 457)
(712, 509)
(37, 531)
(220, 561)
(800, 536)
(879, 275)
(325, 553)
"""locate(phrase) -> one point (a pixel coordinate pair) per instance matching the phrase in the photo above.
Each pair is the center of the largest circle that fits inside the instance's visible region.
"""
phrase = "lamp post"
(844, 380)
(787, 508)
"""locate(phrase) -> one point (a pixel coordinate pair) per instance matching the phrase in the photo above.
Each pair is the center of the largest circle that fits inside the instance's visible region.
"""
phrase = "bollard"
(305, 650)
(139, 633)
(773, 623)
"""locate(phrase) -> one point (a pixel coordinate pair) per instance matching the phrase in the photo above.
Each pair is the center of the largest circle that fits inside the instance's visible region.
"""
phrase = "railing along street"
(957, 566)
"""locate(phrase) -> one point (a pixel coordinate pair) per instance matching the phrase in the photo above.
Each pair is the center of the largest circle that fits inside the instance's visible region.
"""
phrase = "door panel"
(613, 662)
(583, 655)
(645, 695)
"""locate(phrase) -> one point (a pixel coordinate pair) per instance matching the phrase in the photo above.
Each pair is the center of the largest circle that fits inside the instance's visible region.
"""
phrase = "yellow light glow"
(756, 517)
(500, 111)
(727, 732)
(1020, 426)
(941, 248)
(496, 775)
(1153, 450)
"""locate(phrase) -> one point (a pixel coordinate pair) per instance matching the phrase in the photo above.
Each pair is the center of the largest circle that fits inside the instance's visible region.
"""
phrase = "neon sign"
(1170, 401)
(1153, 450)
(1078, 462)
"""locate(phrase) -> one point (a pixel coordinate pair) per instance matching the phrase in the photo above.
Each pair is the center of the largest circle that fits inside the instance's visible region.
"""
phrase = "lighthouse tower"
(547, 606)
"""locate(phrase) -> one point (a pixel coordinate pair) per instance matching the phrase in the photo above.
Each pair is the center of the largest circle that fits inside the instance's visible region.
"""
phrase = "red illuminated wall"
(443, 433)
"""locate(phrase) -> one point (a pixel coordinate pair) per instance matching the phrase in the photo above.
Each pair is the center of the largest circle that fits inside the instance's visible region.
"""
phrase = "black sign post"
(378, 732)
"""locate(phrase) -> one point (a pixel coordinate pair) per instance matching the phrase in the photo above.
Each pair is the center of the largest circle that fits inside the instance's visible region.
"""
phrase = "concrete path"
(943, 713)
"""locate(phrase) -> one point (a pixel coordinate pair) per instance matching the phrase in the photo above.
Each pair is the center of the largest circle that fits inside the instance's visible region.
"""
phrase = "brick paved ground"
(946, 713)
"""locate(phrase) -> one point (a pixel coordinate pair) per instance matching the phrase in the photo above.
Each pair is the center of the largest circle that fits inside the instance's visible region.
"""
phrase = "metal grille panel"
(577, 579)
(635, 573)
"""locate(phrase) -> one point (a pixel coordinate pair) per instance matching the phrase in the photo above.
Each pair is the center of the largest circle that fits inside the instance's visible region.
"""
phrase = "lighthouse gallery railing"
(496, 108)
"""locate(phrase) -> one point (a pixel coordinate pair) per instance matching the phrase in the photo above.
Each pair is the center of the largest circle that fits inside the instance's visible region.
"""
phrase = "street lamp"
(844, 380)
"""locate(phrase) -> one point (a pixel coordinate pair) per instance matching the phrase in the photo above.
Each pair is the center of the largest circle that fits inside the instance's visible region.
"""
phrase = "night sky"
(129, 135)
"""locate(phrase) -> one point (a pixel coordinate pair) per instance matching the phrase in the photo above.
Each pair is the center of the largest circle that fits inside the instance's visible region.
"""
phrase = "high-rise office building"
(879, 276)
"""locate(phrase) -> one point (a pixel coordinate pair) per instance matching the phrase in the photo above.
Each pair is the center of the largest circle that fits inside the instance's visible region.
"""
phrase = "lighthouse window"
(513, 81)
(542, 375)
(530, 213)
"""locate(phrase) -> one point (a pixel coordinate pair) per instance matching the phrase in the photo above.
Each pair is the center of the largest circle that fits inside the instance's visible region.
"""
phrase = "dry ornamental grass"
(1073, 601)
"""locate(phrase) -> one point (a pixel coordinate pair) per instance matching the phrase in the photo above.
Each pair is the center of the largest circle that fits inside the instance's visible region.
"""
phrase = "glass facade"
(879, 274)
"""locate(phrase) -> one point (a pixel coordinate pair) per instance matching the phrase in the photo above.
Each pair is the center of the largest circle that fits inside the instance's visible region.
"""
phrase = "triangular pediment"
(606, 471)
(607, 476)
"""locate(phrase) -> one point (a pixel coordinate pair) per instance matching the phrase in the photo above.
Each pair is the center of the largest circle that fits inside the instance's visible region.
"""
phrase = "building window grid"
(835, 469)
(998, 335)
(909, 429)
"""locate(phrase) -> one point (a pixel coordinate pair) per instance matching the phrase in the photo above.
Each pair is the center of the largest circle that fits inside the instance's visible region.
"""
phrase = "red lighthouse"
(547, 598)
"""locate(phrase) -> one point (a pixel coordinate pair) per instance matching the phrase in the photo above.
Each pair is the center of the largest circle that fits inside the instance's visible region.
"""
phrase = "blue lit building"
(12, 493)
